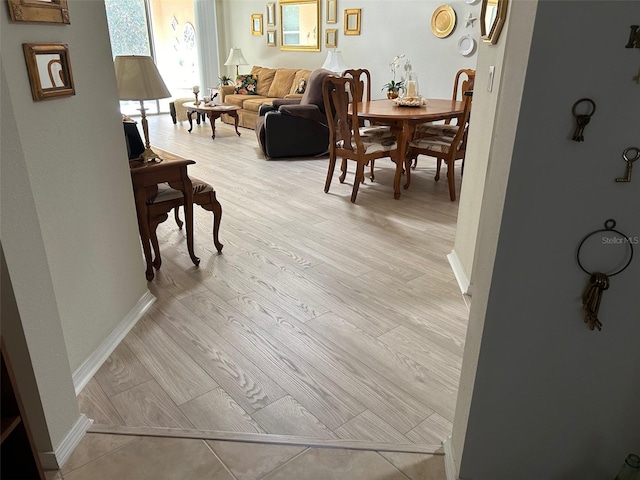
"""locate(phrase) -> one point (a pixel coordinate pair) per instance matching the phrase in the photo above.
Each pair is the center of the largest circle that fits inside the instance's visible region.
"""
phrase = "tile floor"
(103, 456)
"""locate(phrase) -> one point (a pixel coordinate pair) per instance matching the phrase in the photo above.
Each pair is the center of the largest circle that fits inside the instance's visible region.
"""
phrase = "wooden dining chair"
(345, 139)
(444, 147)
(362, 92)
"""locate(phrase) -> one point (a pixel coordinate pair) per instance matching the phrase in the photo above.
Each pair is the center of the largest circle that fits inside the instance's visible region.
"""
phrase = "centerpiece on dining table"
(405, 92)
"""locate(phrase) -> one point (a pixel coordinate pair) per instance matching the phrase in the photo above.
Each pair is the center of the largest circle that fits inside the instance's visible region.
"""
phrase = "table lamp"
(236, 58)
(138, 79)
(334, 62)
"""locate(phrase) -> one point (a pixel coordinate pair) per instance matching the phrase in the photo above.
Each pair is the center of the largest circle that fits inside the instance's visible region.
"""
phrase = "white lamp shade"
(138, 78)
(236, 58)
(334, 62)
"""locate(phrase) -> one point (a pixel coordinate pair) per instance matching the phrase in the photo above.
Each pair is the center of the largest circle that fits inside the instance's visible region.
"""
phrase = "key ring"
(588, 100)
(631, 149)
(609, 226)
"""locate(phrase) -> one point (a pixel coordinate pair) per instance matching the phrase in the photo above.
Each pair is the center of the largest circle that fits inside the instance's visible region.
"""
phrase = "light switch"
(492, 71)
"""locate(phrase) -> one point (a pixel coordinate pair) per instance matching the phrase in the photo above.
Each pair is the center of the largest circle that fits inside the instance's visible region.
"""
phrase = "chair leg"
(372, 164)
(153, 226)
(407, 169)
(451, 178)
(332, 167)
(179, 222)
(438, 165)
(343, 168)
(357, 181)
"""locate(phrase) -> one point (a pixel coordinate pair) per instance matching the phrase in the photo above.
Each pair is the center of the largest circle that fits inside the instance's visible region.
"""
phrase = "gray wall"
(551, 399)
(69, 231)
(387, 29)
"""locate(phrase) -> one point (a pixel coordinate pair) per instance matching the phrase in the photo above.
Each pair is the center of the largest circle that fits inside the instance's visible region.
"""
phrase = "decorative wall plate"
(443, 21)
(466, 45)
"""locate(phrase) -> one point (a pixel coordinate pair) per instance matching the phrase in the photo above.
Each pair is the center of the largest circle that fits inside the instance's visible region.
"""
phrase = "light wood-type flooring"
(321, 318)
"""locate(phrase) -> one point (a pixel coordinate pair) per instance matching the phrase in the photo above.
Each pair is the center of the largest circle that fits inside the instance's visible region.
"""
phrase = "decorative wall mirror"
(352, 21)
(49, 70)
(46, 11)
(271, 38)
(492, 17)
(300, 25)
(332, 11)
(271, 14)
(256, 24)
(331, 38)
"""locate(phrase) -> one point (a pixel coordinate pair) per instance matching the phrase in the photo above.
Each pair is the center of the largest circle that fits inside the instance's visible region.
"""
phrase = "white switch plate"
(492, 71)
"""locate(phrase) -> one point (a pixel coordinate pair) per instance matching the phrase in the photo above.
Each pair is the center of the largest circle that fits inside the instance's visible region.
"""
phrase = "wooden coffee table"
(212, 112)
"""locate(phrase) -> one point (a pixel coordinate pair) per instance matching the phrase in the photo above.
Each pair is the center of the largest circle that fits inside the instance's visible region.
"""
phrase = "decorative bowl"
(410, 101)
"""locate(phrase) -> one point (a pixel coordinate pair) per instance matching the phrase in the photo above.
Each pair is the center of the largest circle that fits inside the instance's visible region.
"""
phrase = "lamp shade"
(236, 58)
(138, 78)
(334, 62)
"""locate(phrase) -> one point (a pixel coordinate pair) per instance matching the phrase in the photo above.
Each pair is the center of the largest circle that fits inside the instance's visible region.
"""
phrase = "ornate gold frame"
(271, 14)
(53, 11)
(256, 24)
(332, 11)
(317, 39)
(331, 37)
(497, 8)
(353, 13)
(271, 38)
(58, 54)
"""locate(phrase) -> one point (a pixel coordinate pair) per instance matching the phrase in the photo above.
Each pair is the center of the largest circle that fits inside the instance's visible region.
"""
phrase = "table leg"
(189, 117)
(143, 227)
(212, 121)
(402, 137)
(234, 114)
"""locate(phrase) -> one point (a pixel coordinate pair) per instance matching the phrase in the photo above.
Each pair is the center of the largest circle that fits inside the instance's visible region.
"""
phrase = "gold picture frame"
(44, 11)
(331, 38)
(256, 24)
(332, 11)
(352, 21)
(271, 38)
(300, 25)
(49, 70)
(271, 14)
(493, 15)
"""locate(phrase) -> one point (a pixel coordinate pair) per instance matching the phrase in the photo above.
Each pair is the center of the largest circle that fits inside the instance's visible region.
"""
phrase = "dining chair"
(444, 147)
(362, 78)
(345, 137)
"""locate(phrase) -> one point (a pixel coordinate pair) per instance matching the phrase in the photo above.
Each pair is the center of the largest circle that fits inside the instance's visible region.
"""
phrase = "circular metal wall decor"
(443, 21)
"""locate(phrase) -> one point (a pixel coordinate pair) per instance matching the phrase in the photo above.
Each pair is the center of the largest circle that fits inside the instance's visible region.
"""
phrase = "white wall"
(387, 29)
(551, 399)
(69, 231)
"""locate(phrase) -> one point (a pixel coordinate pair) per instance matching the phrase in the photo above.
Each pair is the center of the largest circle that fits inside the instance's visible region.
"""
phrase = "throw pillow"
(246, 85)
(302, 85)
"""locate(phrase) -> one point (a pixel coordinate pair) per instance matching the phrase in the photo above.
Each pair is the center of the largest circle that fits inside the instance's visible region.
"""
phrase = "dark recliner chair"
(295, 127)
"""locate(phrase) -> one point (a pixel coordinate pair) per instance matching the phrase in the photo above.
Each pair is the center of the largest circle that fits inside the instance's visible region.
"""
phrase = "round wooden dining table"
(403, 121)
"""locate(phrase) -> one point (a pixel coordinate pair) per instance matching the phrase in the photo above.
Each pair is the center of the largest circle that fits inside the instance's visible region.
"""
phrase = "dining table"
(403, 120)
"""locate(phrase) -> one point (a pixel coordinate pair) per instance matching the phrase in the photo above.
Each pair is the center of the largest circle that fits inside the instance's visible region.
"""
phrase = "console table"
(145, 178)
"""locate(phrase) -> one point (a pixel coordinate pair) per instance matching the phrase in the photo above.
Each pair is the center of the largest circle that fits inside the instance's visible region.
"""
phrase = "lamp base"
(149, 156)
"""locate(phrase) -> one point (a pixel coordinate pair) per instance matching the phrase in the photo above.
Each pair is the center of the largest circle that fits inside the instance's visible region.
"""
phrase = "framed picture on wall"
(331, 38)
(332, 11)
(271, 38)
(352, 21)
(256, 24)
(45, 11)
(271, 14)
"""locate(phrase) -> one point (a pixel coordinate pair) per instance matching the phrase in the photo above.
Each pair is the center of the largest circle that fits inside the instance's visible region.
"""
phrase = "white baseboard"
(458, 271)
(54, 460)
(91, 365)
(449, 460)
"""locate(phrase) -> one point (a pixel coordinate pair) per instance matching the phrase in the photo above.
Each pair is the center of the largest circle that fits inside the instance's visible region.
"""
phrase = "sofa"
(272, 84)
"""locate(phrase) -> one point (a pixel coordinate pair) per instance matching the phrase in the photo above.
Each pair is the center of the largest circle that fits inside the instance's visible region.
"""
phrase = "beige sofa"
(272, 84)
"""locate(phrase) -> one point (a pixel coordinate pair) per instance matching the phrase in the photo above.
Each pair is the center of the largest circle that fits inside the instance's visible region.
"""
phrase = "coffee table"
(212, 112)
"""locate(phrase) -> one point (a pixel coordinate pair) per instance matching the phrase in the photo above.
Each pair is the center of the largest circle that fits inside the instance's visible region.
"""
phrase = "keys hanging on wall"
(582, 119)
(598, 281)
(626, 156)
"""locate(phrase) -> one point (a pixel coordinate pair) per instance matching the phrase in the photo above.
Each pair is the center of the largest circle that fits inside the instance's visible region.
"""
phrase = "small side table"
(212, 112)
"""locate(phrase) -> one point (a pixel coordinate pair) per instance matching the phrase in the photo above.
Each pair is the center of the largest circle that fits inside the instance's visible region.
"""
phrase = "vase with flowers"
(393, 87)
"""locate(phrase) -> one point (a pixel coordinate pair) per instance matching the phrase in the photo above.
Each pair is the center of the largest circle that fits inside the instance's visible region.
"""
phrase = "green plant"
(225, 80)
(394, 86)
